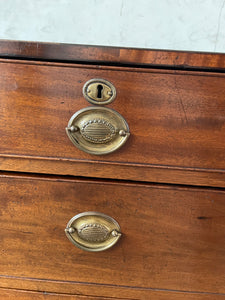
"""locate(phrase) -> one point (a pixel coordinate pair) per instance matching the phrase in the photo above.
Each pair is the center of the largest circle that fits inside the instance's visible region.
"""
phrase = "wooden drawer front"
(173, 238)
(176, 121)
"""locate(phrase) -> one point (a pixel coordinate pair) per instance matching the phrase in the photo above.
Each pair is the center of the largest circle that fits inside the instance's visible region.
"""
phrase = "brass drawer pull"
(97, 130)
(93, 231)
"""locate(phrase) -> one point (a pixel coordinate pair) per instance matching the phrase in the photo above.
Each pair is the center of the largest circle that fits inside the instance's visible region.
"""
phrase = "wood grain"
(187, 176)
(173, 244)
(101, 54)
(11, 294)
(173, 237)
(176, 119)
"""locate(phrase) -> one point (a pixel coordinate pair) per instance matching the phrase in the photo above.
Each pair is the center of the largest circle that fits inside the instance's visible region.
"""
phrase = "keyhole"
(99, 91)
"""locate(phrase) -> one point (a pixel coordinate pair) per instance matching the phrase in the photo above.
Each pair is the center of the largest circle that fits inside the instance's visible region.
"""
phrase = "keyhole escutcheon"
(99, 91)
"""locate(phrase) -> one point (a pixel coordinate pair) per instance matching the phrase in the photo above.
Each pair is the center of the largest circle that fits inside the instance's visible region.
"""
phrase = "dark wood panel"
(173, 237)
(101, 54)
(176, 119)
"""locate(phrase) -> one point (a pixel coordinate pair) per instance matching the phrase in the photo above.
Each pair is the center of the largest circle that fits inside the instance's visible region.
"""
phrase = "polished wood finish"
(11, 294)
(115, 55)
(173, 228)
(179, 232)
(102, 169)
(176, 122)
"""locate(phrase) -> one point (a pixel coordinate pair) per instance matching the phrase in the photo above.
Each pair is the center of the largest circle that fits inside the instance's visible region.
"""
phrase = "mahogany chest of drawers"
(161, 177)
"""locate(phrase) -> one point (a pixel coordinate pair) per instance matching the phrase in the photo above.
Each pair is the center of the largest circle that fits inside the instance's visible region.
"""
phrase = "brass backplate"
(99, 91)
(93, 231)
(97, 130)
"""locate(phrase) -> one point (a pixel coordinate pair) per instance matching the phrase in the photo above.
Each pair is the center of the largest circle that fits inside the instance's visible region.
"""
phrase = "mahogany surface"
(12, 294)
(176, 121)
(115, 55)
(165, 186)
(173, 237)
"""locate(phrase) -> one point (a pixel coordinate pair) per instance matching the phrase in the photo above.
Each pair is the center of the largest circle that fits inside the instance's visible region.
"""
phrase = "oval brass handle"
(97, 130)
(93, 231)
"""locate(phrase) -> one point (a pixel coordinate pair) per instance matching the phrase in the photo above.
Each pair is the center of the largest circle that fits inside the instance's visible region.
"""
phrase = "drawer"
(173, 237)
(176, 122)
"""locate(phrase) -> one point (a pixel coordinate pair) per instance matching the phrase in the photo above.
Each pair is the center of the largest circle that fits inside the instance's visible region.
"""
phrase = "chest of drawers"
(164, 186)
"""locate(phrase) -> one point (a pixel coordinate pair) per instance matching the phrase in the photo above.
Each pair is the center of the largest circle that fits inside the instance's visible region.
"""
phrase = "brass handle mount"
(97, 130)
(93, 231)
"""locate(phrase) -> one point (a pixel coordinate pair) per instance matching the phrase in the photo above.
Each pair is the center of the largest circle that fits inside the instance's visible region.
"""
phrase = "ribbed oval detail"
(98, 131)
(93, 233)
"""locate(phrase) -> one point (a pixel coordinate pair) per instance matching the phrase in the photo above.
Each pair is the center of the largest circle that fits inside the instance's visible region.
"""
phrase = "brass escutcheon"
(97, 130)
(93, 231)
(99, 91)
